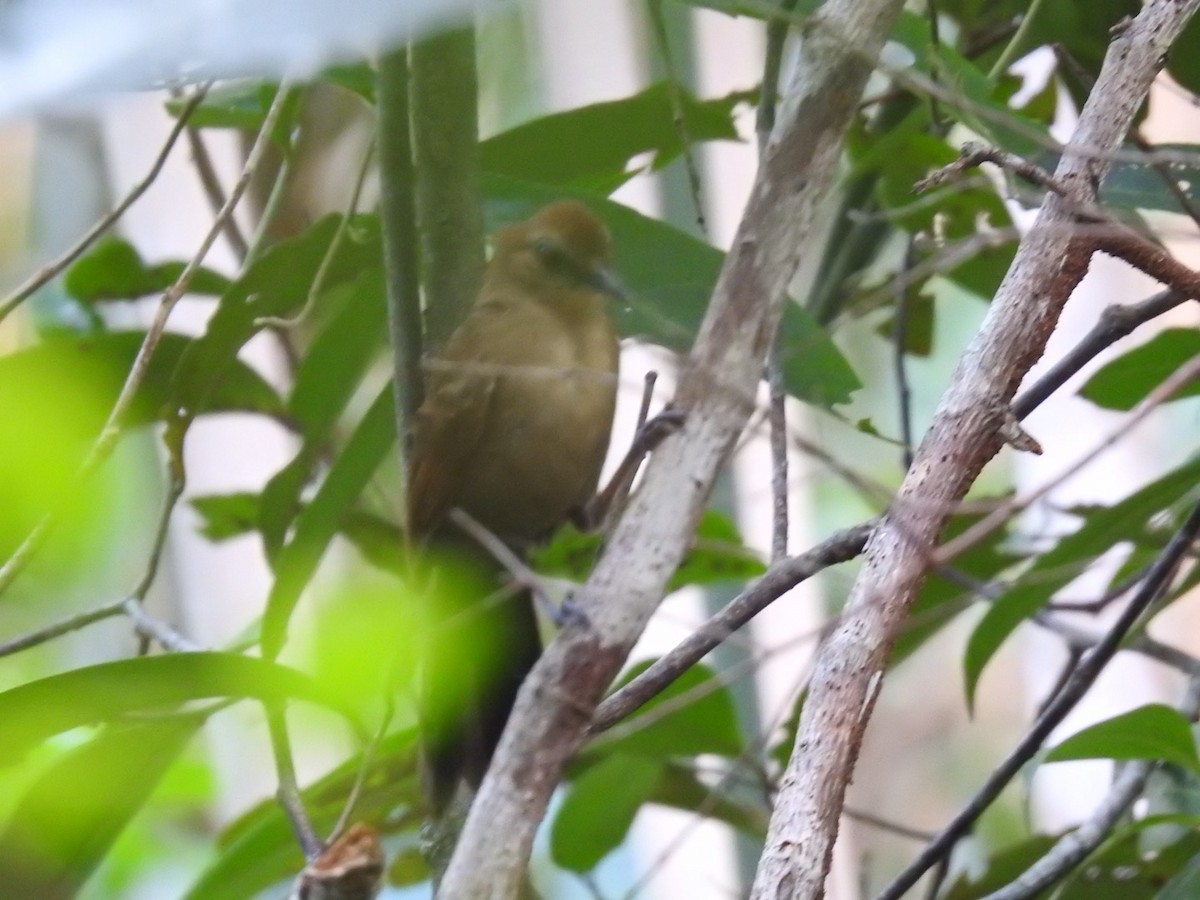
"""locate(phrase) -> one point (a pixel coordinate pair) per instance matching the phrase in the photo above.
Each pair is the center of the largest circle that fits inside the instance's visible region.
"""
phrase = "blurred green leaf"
(66, 823)
(358, 78)
(318, 523)
(1001, 869)
(1152, 732)
(598, 810)
(333, 367)
(1122, 870)
(90, 695)
(114, 270)
(1125, 381)
(227, 516)
(592, 146)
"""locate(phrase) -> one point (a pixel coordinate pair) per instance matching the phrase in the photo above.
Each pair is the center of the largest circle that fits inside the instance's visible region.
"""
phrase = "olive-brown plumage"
(513, 430)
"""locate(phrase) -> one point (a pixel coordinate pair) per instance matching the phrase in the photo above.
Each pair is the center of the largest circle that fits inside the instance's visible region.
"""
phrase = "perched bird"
(513, 431)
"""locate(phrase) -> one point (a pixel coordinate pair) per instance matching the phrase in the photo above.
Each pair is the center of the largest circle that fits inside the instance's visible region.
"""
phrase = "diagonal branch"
(550, 719)
(961, 439)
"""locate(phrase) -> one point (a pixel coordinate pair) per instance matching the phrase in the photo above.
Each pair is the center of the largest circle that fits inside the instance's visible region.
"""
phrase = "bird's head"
(562, 245)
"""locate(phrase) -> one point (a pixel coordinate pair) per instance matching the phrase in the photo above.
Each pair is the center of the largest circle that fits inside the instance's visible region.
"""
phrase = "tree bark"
(716, 394)
(963, 437)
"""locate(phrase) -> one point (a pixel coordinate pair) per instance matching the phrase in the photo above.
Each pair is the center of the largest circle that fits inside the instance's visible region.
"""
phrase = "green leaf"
(66, 823)
(1122, 870)
(331, 371)
(113, 270)
(101, 362)
(718, 555)
(598, 810)
(277, 284)
(670, 275)
(702, 719)
(592, 146)
(1001, 869)
(227, 515)
(358, 78)
(1103, 528)
(1125, 382)
(1153, 732)
(91, 695)
(319, 522)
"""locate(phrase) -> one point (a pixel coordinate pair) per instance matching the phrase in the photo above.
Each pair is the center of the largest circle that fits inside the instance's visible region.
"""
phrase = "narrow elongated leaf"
(66, 823)
(331, 371)
(320, 520)
(1102, 528)
(106, 692)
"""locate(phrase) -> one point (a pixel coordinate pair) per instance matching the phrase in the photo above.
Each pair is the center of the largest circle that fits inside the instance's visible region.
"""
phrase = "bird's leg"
(603, 507)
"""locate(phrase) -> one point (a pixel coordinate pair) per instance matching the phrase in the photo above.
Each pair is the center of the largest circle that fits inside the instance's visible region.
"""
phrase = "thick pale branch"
(552, 713)
(962, 438)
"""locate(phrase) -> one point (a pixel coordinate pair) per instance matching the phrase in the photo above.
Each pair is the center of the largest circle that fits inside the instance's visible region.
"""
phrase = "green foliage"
(1125, 382)
(97, 742)
(1153, 732)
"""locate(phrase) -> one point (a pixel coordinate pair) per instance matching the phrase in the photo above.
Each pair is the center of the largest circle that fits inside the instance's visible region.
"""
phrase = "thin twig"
(61, 627)
(777, 417)
(777, 32)
(207, 173)
(288, 792)
(899, 345)
(1115, 323)
(364, 769)
(43, 275)
(779, 579)
(1005, 511)
(678, 116)
(1079, 682)
(335, 244)
(503, 554)
(141, 363)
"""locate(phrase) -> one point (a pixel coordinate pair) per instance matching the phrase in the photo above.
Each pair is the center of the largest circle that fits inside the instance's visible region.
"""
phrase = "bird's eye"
(547, 250)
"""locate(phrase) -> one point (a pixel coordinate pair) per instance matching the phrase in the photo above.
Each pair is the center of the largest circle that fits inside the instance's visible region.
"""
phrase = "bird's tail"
(481, 641)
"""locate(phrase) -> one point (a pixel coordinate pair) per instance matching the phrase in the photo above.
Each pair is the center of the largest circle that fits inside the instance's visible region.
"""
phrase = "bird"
(513, 431)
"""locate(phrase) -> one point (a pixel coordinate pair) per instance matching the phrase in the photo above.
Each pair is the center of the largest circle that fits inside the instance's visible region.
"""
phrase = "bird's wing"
(450, 424)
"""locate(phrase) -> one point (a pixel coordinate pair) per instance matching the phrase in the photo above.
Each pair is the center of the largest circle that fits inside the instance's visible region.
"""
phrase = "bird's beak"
(605, 281)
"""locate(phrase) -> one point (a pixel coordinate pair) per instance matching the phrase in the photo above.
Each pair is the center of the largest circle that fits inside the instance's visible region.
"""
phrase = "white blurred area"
(913, 769)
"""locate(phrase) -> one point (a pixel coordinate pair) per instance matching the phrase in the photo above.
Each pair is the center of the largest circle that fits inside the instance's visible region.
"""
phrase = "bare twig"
(288, 792)
(1115, 323)
(207, 174)
(1180, 379)
(961, 439)
(678, 116)
(335, 244)
(141, 363)
(779, 579)
(1077, 684)
(43, 275)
